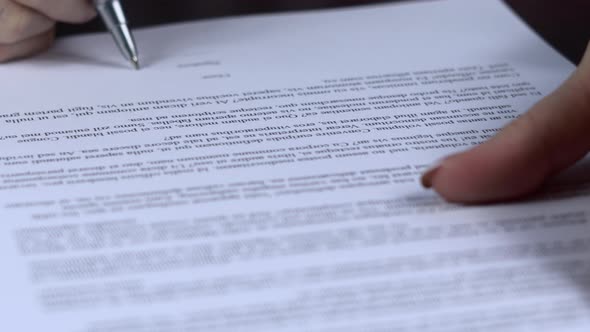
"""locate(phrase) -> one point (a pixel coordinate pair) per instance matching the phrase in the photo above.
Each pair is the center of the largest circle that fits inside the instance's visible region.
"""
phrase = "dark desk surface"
(565, 24)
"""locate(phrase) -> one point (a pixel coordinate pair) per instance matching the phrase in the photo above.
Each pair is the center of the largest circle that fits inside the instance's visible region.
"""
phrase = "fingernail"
(428, 176)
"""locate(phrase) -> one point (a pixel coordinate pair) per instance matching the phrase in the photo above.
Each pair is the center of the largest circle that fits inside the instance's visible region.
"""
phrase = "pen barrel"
(111, 11)
(114, 18)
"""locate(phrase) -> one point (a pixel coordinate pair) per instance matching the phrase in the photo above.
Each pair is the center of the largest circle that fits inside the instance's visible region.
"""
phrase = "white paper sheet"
(261, 174)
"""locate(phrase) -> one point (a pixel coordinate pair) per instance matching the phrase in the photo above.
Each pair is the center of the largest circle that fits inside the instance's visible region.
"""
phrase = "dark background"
(565, 24)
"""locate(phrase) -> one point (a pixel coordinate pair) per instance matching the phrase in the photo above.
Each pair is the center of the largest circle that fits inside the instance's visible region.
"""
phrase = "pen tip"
(135, 61)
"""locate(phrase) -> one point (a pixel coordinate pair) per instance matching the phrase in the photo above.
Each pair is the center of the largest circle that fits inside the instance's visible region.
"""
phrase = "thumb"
(552, 135)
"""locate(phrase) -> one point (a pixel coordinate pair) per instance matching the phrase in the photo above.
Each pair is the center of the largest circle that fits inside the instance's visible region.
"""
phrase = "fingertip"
(550, 137)
(485, 174)
(453, 179)
(457, 182)
(428, 176)
(79, 17)
(446, 178)
(91, 14)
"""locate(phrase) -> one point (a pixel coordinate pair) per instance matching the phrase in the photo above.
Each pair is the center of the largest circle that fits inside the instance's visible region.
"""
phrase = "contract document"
(262, 174)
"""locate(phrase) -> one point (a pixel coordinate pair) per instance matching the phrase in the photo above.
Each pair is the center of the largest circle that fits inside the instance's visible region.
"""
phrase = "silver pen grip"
(114, 18)
(111, 9)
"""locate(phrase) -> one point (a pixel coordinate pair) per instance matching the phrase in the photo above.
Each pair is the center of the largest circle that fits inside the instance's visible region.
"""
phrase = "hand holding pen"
(27, 27)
